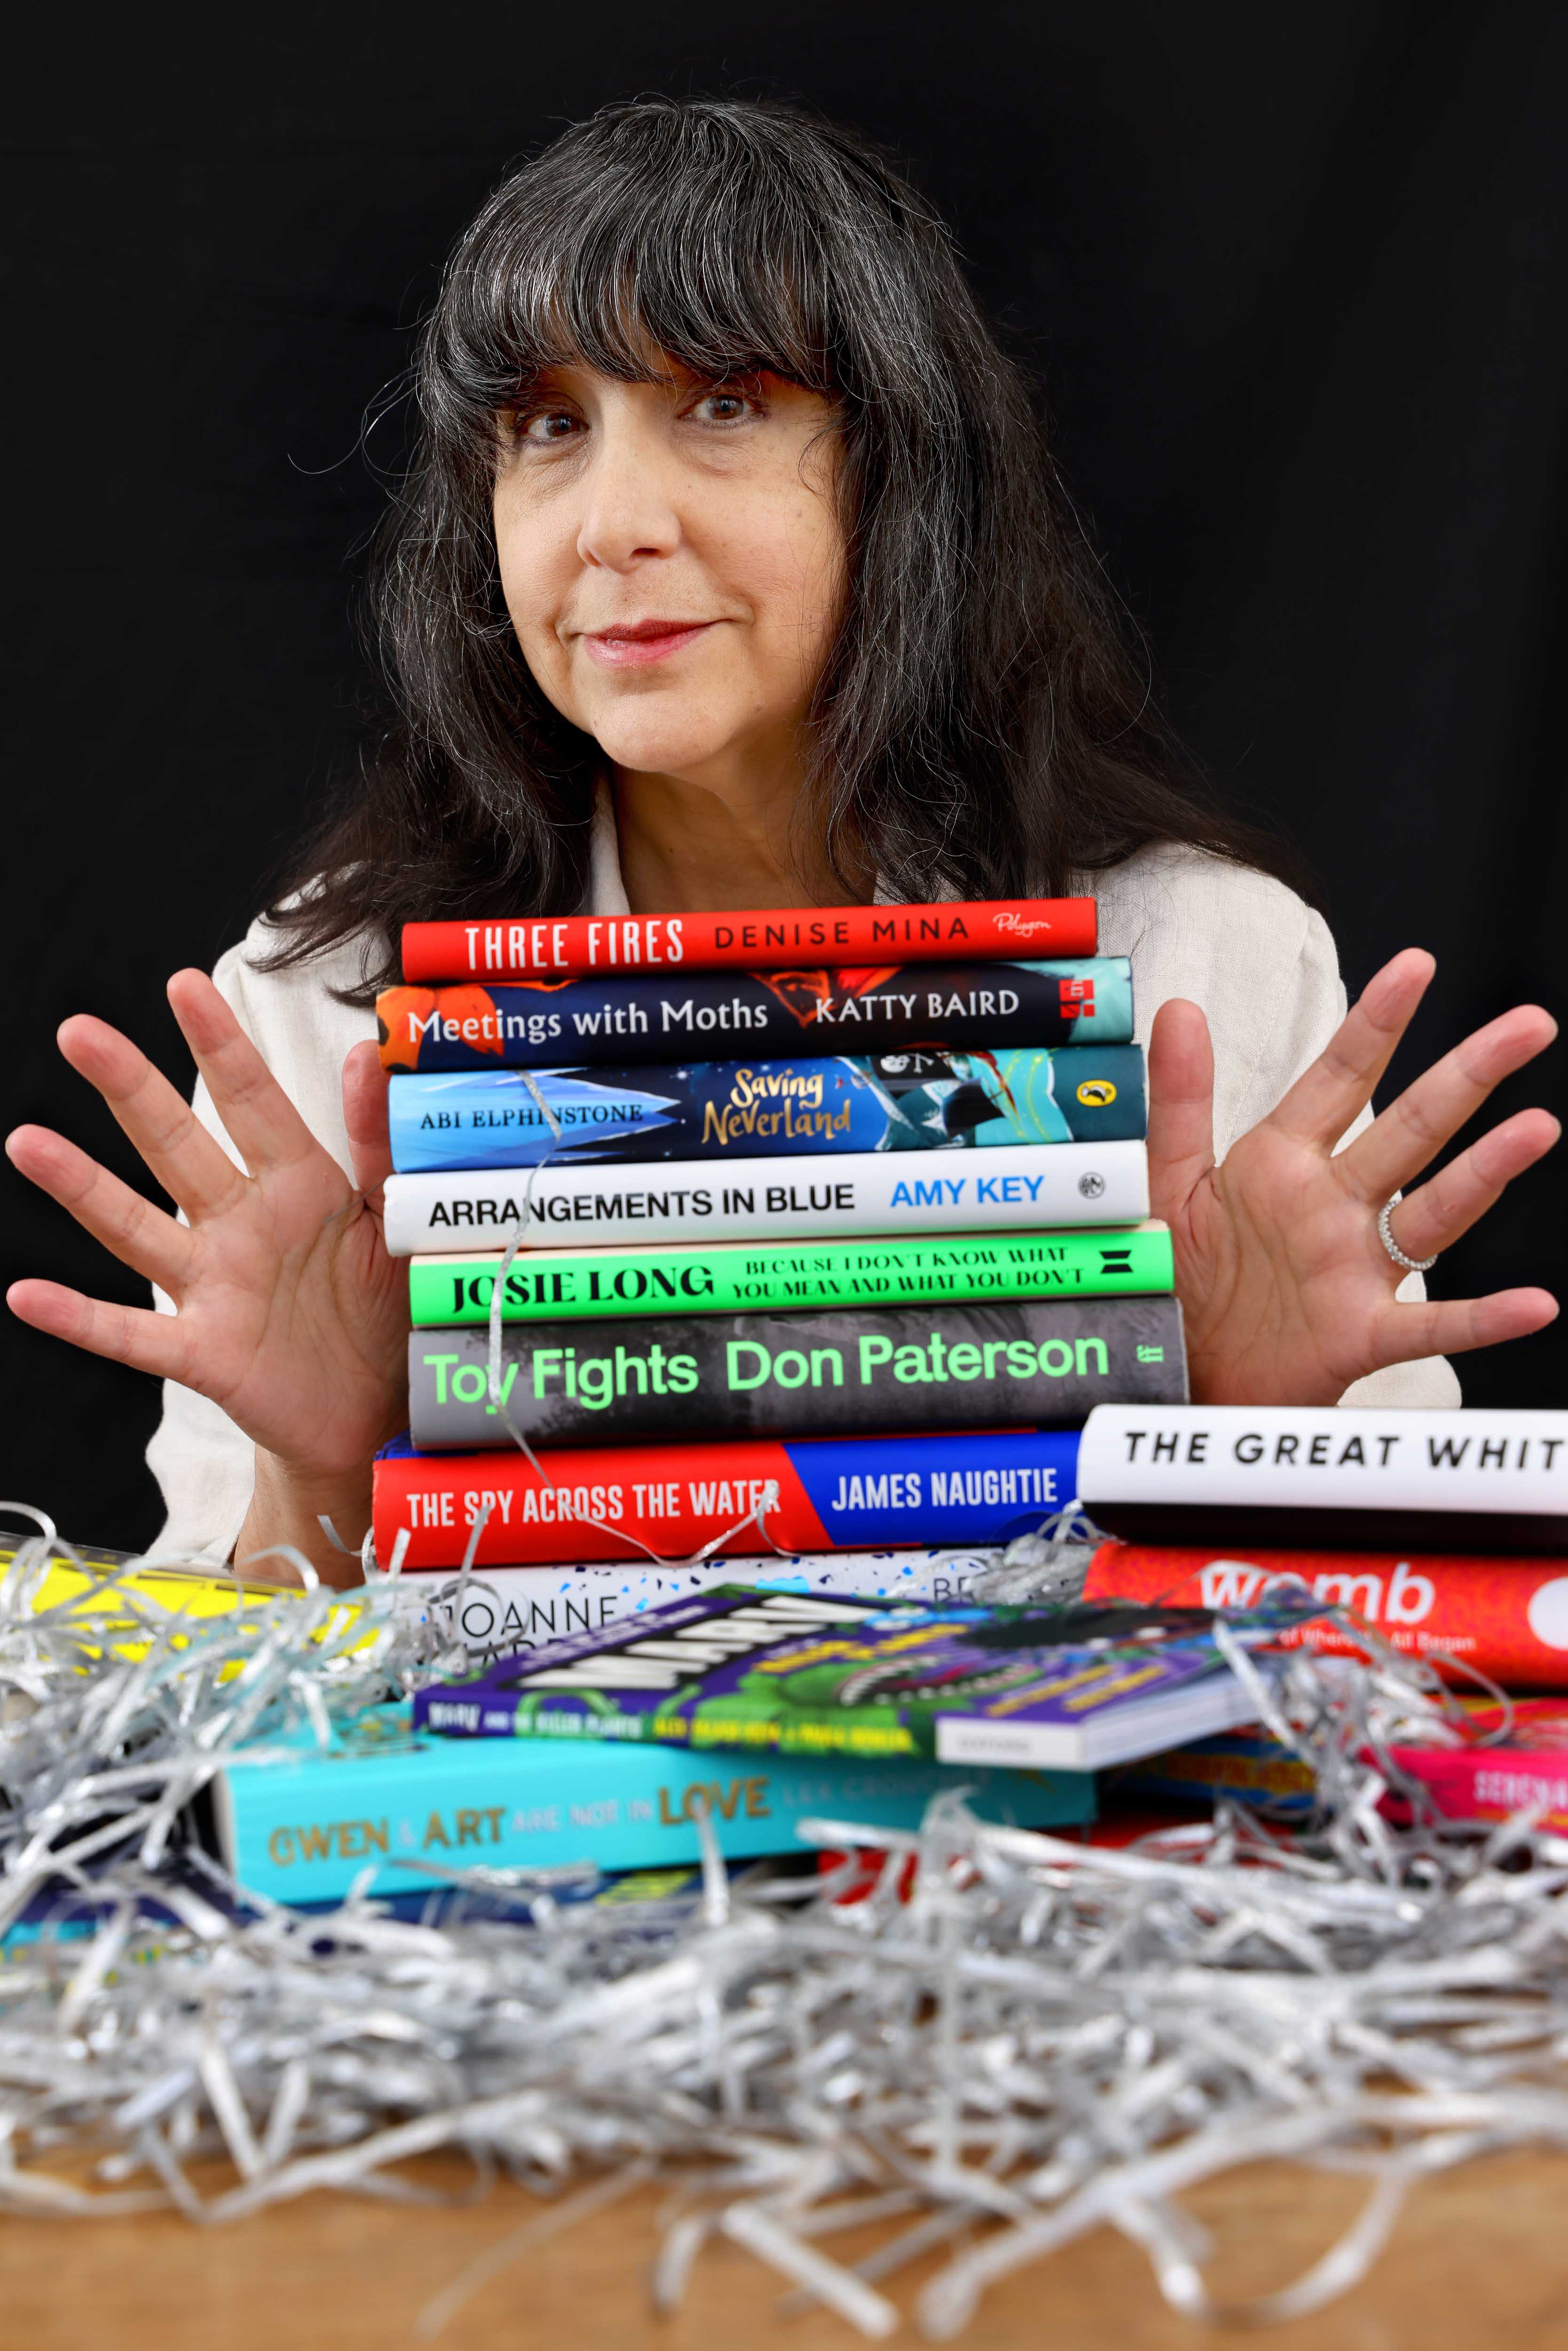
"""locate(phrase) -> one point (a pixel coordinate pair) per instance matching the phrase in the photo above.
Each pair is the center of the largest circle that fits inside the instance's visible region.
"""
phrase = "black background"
(1292, 281)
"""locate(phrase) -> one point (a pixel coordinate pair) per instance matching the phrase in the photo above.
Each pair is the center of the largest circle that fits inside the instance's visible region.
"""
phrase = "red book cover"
(772, 938)
(1506, 1617)
(672, 1499)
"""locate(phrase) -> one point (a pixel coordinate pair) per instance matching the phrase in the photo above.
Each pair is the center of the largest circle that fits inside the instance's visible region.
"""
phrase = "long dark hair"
(979, 730)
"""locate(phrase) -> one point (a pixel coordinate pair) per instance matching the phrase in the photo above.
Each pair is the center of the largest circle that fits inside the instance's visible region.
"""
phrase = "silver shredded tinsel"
(1011, 2039)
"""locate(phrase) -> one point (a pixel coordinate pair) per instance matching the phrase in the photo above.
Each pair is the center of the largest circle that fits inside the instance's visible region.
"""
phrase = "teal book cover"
(301, 1825)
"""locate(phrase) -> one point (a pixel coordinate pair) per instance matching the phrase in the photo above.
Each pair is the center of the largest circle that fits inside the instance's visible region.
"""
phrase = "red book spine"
(770, 939)
(671, 1498)
(1506, 1617)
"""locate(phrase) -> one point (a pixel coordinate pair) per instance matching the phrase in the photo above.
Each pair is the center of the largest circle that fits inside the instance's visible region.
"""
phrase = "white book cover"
(504, 1608)
(1002, 1189)
(1324, 1457)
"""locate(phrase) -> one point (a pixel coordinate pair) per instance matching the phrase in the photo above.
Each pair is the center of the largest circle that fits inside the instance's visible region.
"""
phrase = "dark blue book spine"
(939, 1006)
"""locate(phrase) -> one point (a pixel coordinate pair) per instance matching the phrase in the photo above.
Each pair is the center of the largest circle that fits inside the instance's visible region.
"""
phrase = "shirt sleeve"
(205, 1465)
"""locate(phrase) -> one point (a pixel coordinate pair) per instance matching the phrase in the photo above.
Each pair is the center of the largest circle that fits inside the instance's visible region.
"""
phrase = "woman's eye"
(725, 406)
(545, 426)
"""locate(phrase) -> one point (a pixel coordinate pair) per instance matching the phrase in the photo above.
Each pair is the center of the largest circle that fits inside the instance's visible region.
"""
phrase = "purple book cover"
(807, 1674)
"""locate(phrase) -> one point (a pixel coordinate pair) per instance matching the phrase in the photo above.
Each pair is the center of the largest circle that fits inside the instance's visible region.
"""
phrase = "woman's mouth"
(640, 641)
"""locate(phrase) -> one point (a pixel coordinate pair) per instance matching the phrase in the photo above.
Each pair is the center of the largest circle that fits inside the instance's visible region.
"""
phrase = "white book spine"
(1009, 1189)
(1323, 1457)
(503, 1608)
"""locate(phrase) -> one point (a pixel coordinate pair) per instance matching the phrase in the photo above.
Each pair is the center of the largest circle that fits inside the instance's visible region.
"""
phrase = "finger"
(140, 1234)
(1434, 1217)
(127, 1335)
(1181, 1105)
(191, 1167)
(1412, 1129)
(365, 1116)
(1456, 1326)
(257, 1115)
(1327, 1097)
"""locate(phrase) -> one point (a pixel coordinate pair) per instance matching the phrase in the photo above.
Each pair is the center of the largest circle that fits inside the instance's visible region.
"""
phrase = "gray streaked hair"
(980, 728)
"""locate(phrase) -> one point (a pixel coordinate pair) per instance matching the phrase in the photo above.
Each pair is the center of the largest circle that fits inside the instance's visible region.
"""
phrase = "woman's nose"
(630, 512)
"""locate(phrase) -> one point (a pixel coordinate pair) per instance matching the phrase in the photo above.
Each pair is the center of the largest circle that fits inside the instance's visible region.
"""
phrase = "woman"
(731, 572)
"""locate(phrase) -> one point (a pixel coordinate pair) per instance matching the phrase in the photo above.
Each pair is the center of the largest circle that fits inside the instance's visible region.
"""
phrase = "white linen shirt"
(1258, 961)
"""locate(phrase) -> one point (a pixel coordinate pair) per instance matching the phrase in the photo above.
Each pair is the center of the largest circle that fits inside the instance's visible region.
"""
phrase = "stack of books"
(1444, 1532)
(817, 1234)
(756, 1711)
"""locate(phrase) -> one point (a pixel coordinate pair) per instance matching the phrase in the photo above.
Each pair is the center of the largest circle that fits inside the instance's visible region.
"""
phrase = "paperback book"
(867, 1008)
(1505, 1618)
(1073, 1689)
(1330, 1477)
(1015, 1365)
(300, 1825)
(893, 1193)
(737, 1277)
(652, 1503)
(569, 946)
(807, 1106)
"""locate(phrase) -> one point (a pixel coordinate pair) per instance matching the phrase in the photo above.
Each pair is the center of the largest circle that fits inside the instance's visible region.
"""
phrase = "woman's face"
(672, 560)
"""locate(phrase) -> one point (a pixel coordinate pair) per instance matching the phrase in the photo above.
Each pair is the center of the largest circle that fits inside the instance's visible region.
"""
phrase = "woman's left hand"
(1286, 1288)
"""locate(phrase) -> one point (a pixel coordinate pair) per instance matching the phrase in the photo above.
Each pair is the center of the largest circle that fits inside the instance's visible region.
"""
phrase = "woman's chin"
(663, 748)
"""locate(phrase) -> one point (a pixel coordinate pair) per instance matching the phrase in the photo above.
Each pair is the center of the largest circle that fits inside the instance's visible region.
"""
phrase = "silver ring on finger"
(1408, 1264)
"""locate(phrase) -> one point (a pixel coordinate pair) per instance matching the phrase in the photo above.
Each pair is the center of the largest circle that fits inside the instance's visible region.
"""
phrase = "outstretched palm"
(1286, 1288)
(290, 1314)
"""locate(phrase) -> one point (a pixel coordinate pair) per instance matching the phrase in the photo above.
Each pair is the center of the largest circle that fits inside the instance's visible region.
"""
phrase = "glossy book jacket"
(743, 1110)
(568, 946)
(660, 1503)
(882, 1008)
(822, 1373)
(734, 1276)
(901, 1193)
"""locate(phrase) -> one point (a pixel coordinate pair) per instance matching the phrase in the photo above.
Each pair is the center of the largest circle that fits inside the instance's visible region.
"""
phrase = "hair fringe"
(980, 728)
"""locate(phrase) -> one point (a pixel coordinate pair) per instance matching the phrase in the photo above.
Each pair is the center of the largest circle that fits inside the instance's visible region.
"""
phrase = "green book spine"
(735, 1276)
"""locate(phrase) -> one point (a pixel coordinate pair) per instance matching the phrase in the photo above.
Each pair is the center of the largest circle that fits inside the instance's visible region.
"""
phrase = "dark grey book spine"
(1020, 1365)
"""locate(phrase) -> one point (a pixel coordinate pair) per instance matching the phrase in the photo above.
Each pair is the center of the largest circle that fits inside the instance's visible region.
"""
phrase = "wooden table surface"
(1479, 2259)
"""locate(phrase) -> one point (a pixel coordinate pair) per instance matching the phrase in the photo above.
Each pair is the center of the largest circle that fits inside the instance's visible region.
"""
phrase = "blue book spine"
(766, 1109)
(303, 1831)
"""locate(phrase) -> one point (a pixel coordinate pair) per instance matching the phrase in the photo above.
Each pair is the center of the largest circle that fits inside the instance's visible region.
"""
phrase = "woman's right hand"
(289, 1313)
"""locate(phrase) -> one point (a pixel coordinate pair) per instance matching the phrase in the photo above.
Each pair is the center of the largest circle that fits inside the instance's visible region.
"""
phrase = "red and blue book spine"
(623, 1502)
(764, 938)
